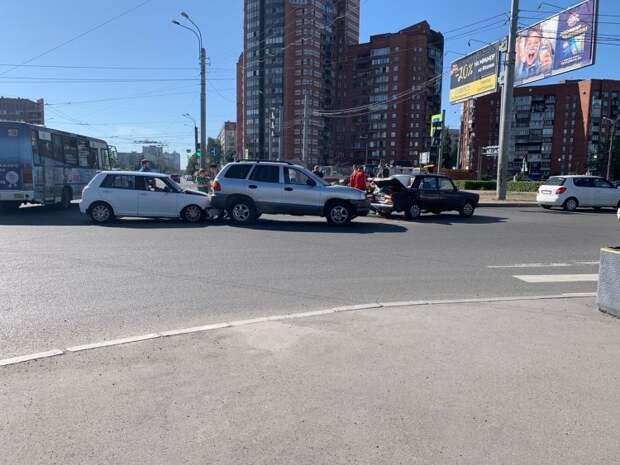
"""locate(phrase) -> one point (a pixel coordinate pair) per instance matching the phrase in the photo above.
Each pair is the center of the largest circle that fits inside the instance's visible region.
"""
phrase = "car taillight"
(560, 190)
(217, 186)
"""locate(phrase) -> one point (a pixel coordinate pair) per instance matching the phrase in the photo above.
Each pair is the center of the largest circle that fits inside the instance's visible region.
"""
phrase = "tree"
(193, 164)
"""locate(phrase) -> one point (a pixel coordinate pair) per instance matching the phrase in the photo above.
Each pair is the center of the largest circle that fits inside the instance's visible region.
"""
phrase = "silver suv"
(247, 189)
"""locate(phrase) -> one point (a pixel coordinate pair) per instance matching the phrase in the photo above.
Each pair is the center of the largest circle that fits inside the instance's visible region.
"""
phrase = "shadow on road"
(454, 219)
(584, 211)
(321, 226)
(51, 216)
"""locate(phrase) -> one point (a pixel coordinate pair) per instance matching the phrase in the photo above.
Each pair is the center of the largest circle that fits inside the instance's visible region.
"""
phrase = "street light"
(614, 123)
(203, 92)
(191, 118)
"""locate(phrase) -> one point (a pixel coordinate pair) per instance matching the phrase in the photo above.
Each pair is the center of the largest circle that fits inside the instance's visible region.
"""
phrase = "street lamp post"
(191, 118)
(614, 123)
(203, 92)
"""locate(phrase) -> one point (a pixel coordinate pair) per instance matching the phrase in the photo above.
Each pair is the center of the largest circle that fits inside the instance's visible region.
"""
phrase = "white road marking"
(27, 358)
(114, 342)
(290, 316)
(541, 265)
(558, 278)
(195, 329)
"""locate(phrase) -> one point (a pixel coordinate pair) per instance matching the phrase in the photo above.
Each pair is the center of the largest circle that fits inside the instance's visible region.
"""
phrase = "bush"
(524, 186)
(476, 185)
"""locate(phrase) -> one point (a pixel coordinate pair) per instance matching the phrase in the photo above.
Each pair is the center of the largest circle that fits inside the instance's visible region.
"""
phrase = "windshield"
(555, 181)
(174, 185)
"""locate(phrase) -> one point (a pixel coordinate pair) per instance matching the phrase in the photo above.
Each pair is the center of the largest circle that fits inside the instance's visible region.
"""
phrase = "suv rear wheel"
(339, 214)
(242, 211)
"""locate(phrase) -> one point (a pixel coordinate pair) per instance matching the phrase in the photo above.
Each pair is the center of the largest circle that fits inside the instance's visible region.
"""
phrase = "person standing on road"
(202, 181)
(146, 166)
(358, 179)
(317, 171)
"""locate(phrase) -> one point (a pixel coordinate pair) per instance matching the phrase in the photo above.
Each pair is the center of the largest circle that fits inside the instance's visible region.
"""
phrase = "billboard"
(474, 75)
(561, 43)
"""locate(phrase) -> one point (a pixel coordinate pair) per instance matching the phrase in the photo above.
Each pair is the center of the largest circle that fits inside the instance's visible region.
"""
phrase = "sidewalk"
(519, 382)
(514, 199)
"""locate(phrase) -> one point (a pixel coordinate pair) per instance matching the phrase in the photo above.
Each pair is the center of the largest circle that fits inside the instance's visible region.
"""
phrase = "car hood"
(193, 192)
(345, 190)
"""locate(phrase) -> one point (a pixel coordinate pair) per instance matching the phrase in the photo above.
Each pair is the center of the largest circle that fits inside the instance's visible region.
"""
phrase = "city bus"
(45, 166)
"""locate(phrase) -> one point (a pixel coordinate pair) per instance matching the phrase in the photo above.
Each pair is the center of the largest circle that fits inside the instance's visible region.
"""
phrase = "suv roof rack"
(266, 161)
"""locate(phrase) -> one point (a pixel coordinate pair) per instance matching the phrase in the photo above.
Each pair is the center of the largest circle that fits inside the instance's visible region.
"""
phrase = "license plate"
(545, 192)
(19, 196)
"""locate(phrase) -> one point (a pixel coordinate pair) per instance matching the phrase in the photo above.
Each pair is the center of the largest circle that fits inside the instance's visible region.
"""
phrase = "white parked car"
(111, 194)
(572, 192)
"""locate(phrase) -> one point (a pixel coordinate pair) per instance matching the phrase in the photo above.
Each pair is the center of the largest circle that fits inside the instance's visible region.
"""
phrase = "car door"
(583, 191)
(300, 193)
(119, 191)
(605, 193)
(450, 198)
(156, 198)
(429, 193)
(265, 187)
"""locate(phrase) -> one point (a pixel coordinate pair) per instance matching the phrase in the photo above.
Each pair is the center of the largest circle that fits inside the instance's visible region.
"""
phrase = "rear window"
(266, 173)
(238, 171)
(555, 181)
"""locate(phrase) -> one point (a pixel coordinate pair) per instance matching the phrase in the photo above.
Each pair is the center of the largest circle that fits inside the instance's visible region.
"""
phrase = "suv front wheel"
(242, 211)
(339, 213)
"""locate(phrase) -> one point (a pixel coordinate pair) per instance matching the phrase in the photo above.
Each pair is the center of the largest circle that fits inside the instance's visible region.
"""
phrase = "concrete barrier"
(609, 282)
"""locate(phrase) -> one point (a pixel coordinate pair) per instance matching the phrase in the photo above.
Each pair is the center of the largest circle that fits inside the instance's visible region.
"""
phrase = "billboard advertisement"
(474, 75)
(561, 43)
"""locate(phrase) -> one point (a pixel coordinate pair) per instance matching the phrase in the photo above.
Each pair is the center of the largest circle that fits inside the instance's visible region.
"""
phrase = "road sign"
(475, 75)
(425, 158)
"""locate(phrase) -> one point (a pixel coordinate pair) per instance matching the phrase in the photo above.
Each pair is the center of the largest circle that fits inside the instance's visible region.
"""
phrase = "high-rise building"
(290, 47)
(21, 109)
(240, 136)
(228, 138)
(388, 89)
(556, 129)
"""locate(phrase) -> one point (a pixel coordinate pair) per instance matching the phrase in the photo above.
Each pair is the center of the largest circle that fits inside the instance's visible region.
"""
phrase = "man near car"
(358, 179)
(146, 166)
(317, 171)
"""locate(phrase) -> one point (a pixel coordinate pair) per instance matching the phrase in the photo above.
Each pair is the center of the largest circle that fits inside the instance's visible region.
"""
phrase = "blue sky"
(148, 104)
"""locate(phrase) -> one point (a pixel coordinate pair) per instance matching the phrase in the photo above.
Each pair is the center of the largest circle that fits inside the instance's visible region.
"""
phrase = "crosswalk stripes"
(560, 276)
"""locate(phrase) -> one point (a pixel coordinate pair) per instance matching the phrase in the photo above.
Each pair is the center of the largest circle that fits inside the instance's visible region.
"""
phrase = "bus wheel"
(67, 197)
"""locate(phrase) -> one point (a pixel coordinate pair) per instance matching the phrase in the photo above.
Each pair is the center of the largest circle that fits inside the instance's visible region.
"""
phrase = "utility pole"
(304, 147)
(443, 136)
(614, 123)
(203, 109)
(505, 123)
(195, 139)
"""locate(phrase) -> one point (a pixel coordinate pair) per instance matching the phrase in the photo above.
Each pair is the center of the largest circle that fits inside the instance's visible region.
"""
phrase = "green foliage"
(513, 186)
(523, 186)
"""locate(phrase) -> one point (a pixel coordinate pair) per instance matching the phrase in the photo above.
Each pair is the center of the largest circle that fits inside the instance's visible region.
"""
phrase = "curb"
(283, 318)
(507, 204)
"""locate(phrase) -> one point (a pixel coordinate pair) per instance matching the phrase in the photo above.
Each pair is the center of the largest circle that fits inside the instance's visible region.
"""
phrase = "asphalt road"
(66, 282)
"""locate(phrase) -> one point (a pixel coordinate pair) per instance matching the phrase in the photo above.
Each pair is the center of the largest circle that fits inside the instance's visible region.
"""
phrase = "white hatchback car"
(572, 192)
(112, 194)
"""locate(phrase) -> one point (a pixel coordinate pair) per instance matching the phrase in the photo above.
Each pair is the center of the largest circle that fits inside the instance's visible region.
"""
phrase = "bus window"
(70, 151)
(92, 158)
(35, 148)
(84, 154)
(45, 144)
(106, 159)
(58, 151)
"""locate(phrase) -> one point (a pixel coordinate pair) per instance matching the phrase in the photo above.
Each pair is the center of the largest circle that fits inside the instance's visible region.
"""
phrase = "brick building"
(287, 74)
(557, 129)
(21, 109)
(228, 138)
(393, 79)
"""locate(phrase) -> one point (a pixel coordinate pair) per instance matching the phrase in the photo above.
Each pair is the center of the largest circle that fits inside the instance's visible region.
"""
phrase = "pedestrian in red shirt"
(358, 179)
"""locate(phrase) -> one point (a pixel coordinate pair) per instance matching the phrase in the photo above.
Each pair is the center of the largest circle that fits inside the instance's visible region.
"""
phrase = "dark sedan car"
(426, 193)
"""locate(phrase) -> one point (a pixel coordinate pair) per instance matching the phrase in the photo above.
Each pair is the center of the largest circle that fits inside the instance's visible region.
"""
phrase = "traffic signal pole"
(505, 123)
(442, 138)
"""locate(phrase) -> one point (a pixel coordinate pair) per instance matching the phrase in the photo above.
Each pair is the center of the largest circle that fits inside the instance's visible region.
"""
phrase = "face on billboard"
(559, 44)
